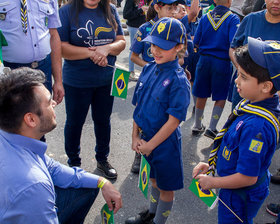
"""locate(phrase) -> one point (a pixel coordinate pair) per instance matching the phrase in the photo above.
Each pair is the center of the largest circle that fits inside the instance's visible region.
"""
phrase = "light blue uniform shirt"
(27, 179)
(35, 44)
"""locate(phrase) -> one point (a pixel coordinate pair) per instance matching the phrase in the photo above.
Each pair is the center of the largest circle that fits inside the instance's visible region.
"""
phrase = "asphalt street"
(187, 209)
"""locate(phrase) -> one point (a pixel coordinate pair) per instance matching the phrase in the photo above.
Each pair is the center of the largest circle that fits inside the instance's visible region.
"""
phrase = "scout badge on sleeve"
(107, 216)
(120, 83)
(144, 176)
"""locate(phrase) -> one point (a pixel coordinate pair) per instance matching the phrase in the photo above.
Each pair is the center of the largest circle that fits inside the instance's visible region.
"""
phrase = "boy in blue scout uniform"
(161, 97)
(213, 71)
(244, 147)
(163, 8)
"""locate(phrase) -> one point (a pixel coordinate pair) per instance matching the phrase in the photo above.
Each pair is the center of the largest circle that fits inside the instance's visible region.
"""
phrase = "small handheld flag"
(107, 216)
(207, 196)
(120, 83)
(207, 9)
(3, 42)
(144, 176)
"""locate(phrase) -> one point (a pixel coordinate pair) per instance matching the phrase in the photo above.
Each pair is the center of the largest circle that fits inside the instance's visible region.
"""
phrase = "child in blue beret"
(244, 147)
(161, 97)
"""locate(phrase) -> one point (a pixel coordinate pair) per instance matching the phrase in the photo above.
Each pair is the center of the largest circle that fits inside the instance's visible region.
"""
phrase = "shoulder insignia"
(256, 146)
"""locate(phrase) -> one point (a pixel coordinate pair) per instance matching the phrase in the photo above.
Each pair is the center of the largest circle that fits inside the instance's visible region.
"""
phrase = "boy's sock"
(216, 114)
(194, 99)
(198, 117)
(154, 200)
(163, 211)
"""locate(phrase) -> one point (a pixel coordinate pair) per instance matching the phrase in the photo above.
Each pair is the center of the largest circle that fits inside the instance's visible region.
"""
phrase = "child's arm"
(137, 60)
(166, 130)
(135, 137)
(233, 181)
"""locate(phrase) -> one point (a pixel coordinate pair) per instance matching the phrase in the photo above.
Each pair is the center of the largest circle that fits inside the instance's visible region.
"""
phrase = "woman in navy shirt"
(91, 36)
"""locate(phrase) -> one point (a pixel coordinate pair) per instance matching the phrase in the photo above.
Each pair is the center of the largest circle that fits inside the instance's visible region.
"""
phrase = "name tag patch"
(256, 146)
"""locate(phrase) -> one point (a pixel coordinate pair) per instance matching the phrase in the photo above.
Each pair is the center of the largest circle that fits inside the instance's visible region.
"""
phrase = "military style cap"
(267, 55)
(166, 33)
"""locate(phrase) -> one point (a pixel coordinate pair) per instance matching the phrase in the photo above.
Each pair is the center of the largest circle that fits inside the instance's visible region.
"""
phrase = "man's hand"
(58, 92)
(112, 197)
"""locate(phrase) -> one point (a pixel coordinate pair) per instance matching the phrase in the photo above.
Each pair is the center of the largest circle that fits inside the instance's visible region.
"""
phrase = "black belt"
(34, 64)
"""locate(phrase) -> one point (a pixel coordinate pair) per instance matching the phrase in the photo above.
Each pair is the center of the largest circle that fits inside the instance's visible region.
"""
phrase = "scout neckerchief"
(216, 20)
(241, 108)
(23, 15)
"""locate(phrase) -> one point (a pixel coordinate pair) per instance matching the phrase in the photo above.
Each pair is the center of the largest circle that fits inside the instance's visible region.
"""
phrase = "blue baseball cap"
(169, 2)
(166, 33)
(267, 55)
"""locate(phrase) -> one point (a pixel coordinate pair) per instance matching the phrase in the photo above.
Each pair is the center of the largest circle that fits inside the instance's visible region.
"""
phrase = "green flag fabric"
(3, 42)
(207, 196)
(120, 83)
(144, 176)
(107, 216)
(207, 9)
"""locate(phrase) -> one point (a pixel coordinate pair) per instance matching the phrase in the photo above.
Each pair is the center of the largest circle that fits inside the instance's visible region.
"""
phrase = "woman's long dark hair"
(78, 5)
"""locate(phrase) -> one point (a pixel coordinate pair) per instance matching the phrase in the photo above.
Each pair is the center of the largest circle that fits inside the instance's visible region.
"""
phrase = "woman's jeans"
(132, 32)
(77, 103)
(73, 205)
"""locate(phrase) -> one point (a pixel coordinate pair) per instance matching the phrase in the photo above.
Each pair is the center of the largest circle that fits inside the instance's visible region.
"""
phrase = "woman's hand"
(99, 55)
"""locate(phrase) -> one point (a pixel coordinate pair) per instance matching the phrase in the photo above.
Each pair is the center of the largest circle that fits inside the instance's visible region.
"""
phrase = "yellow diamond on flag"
(202, 192)
(144, 178)
(120, 84)
(106, 217)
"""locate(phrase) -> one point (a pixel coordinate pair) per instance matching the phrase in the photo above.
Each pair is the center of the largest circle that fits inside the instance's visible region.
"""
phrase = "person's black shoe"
(198, 131)
(210, 134)
(136, 163)
(273, 209)
(276, 177)
(107, 169)
(143, 218)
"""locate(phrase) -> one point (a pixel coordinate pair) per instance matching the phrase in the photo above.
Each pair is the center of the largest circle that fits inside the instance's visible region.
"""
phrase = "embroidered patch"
(238, 125)
(226, 153)
(161, 27)
(139, 39)
(256, 146)
(166, 82)
(149, 53)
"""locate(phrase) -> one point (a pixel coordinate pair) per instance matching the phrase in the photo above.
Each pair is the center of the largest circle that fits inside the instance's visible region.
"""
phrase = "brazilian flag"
(144, 176)
(207, 9)
(3, 42)
(207, 196)
(107, 216)
(120, 83)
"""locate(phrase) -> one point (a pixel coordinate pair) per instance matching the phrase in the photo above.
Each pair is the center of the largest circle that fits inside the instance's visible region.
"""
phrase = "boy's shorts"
(212, 77)
(235, 203)
(166, 163)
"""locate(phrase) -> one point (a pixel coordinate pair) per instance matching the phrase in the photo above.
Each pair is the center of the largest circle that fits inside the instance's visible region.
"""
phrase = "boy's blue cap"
(169, 2)
(267, 55)
(166, 33)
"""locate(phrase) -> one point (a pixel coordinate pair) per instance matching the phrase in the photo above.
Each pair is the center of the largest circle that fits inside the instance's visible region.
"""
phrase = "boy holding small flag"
(244, 147)
(161, 97)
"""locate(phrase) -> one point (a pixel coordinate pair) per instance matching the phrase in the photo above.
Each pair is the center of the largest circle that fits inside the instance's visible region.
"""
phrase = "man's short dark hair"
(245, 61)
(17, 96)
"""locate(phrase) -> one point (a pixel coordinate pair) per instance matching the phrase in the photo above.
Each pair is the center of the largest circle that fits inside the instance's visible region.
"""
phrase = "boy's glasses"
(170, 8)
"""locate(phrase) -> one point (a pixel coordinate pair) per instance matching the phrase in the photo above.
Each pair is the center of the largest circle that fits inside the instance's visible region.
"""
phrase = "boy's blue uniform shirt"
(92, 30)
(162, 90)
(255, 25)
(247, 148)
(143, 48)
(216, 42)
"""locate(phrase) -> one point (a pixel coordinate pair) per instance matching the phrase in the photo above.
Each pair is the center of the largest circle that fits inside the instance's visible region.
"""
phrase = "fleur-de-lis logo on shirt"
(87, 32)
